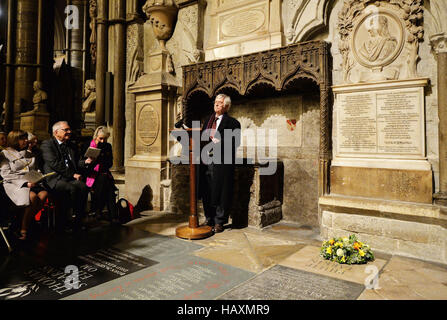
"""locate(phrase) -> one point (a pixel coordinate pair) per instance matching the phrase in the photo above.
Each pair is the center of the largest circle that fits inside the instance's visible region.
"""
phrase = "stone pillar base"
(145, 175)
(440, 198)
(36, 123)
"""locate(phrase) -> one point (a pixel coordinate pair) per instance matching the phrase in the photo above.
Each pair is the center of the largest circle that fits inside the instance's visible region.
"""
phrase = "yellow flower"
(361, 253)
(331, 241)
(343, 259)
(329, 250)
(339, 244)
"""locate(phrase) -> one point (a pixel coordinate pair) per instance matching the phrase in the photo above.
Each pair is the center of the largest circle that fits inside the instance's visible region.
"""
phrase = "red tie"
(213, 128)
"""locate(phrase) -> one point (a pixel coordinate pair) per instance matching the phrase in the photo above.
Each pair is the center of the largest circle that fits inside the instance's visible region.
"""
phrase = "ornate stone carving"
(135, 54)
(163, 15)
(438, 43)
(380, 39)
(278, 69)
(303, 17)
(93, 12)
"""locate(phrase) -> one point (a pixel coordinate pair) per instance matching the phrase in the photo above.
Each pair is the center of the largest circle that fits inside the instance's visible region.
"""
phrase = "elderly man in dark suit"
(61, 156)
(217, 173)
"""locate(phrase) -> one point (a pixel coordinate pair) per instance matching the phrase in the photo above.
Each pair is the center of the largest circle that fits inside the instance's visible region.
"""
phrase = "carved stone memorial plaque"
(148, 124)
(380, 121)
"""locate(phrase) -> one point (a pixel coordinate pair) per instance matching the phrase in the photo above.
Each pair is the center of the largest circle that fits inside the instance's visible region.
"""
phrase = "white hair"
(227, 99)
(30, 136)
(58, 125)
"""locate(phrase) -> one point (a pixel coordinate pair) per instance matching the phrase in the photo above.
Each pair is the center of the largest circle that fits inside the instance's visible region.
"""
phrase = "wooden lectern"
(193, 231)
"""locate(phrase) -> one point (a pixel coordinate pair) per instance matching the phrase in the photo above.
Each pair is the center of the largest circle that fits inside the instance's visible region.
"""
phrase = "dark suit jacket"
(223, 174)
(53, 161)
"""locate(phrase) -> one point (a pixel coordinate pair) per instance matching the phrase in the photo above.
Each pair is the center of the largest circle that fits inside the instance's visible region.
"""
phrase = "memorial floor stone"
(184, 278)
(158, 247)
(409, 279)
(250, 251)
(50, 282)
(309, 259)
(283, 283)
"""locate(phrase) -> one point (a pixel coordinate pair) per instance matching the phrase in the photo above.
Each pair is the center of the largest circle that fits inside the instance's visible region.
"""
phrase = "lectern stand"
(193, 231)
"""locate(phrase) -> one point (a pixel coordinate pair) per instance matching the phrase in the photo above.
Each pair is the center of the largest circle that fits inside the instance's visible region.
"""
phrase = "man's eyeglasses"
(66, 129)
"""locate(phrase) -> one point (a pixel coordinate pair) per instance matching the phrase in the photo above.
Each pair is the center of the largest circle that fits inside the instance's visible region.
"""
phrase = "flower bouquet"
(347, 251)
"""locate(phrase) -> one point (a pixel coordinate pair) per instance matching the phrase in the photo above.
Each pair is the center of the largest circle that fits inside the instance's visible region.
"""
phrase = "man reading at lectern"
(217, 174)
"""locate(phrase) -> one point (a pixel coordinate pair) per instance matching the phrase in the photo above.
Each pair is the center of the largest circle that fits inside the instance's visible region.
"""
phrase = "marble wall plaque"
(283, 283)
(381, 123)
(148, 124)
(241, 23)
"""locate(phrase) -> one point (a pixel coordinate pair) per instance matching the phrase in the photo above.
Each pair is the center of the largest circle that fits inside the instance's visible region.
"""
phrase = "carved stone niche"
(380, 40)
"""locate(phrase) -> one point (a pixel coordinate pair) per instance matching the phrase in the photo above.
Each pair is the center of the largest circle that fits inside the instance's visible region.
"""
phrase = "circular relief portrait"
(377, 39)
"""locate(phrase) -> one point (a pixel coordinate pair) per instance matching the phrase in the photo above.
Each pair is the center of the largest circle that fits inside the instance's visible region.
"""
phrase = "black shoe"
(218, 228)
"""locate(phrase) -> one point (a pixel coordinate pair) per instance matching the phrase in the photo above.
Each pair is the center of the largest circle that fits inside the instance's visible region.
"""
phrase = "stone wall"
(297, 150)
(393, 227)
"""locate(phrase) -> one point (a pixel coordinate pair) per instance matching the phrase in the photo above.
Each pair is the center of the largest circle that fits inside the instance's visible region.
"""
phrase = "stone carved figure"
(381, 44)
(40, 96)
(391, 50)
(93, 10)
(90, 96)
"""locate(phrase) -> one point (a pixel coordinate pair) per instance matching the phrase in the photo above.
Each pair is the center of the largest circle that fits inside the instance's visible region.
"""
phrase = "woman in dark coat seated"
(100, 180)
(15, 163)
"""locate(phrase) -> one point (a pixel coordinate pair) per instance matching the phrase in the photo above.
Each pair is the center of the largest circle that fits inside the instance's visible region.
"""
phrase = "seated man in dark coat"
(61, 156)
(216, 178)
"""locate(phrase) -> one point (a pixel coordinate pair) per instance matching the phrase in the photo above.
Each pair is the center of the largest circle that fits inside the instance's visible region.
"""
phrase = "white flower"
(340, 252)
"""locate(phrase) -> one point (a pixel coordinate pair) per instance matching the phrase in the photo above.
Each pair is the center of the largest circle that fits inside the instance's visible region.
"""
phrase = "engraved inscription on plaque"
(357, 123)
(242, 23)
(398, 121)
(381, 123)
(283, 283)
(148, 125)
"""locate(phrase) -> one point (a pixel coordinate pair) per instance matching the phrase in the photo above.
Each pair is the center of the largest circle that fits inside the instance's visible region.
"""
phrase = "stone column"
(9, 94)
(101, 60)
(40, 35)
(119, 79)
(439, 45)
(25, 60)
(77, 60)
(135, 62)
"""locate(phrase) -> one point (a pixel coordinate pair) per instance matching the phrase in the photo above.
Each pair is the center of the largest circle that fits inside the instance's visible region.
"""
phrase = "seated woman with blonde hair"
(100, 180)
(16, 162)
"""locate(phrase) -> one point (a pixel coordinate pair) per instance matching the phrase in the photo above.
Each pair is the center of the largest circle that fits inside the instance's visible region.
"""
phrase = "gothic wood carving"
(277, 68)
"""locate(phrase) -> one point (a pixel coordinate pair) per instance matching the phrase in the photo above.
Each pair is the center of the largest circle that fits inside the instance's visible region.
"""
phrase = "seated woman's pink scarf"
(91, 178)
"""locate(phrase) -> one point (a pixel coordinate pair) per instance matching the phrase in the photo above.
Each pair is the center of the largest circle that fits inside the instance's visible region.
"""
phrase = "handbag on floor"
(126, 211)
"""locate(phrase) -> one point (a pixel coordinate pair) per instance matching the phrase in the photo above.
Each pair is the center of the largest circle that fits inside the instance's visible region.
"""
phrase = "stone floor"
(145, 261)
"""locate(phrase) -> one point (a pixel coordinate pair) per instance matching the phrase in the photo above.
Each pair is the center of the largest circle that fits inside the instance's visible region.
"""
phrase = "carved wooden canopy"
(279, 69)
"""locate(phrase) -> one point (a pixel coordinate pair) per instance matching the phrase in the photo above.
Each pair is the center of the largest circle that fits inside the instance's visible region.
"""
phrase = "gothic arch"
(278, 69)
